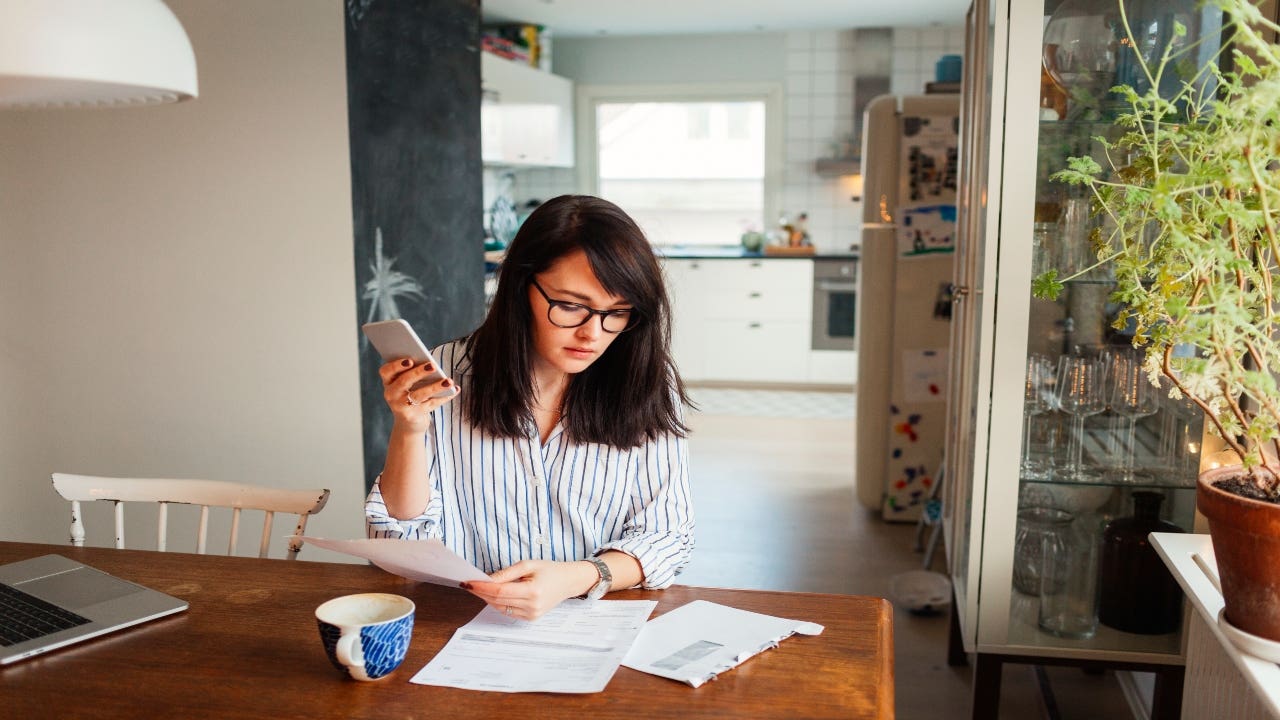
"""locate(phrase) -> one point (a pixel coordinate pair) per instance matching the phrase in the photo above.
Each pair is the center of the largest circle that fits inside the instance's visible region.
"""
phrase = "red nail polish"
(406, 362)
(427, 367)
(447, 382)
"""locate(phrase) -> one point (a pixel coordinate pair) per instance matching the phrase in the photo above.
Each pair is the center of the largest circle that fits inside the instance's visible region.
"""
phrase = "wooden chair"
(205, 493)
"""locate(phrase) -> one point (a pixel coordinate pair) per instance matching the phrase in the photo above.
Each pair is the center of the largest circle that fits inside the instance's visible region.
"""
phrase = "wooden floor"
(775, 505)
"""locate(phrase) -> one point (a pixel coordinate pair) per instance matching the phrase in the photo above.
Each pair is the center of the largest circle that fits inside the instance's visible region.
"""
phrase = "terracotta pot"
(1246, 542)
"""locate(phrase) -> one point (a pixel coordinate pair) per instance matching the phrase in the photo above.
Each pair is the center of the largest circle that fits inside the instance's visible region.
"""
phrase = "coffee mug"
(366, 635)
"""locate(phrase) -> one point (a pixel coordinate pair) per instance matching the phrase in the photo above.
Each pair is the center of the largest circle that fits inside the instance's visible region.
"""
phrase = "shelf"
(837, 167)
(1026, 638)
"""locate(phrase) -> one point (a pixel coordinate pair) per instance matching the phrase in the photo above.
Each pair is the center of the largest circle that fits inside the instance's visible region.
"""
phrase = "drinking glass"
(1037, 399)
(1179, 440)
(1081, 393)
(1132, 397)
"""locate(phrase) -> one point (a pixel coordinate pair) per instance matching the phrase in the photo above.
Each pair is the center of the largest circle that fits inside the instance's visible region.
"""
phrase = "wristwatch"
(598, 590)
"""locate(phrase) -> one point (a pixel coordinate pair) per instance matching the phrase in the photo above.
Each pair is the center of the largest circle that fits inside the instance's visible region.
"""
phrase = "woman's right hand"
(411, 407)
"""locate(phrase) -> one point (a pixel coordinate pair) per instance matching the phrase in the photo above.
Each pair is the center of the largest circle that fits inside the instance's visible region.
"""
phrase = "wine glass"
(1179, 435)
(1081, 392)
(1132, 396)
(1037, 399)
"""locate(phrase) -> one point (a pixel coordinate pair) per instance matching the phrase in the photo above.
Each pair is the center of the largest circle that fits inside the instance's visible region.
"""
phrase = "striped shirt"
(496, 501)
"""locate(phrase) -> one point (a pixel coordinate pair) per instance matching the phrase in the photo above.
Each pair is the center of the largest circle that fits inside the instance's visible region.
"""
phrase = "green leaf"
(1047, 286)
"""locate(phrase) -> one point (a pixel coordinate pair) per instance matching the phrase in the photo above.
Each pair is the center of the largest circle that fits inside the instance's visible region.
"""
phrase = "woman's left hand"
(528, 589)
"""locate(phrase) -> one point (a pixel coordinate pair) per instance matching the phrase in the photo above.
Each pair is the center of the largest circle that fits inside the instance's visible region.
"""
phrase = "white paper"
(423, 560)
(574, 648)
(697, 641)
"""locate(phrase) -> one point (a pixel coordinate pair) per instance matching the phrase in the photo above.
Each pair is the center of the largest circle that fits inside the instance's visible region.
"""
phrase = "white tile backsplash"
(799, 61)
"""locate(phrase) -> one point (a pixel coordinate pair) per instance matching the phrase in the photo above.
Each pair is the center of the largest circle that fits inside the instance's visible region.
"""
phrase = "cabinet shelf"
(1026, 638)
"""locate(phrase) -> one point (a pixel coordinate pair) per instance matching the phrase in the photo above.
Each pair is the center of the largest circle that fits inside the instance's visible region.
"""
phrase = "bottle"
(1138, 594)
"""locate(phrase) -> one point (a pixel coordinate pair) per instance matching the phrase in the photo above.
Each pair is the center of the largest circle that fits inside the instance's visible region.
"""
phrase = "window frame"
(588, 97)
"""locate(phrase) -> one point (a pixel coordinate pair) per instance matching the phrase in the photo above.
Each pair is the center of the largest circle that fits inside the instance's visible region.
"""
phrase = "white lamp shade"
(69, 53)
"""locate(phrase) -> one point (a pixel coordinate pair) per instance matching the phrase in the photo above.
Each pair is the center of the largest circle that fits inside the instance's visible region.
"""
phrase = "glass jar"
(1069, 583)
(1041, 533)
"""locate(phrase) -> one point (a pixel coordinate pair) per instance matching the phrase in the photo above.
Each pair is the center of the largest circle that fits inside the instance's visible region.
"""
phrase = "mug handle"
(349, 651)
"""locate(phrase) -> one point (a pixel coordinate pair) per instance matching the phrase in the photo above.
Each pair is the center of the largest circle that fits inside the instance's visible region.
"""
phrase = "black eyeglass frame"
(633, 315)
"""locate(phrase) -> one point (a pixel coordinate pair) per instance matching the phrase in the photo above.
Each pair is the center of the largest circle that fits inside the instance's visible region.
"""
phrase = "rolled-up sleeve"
(659, 531)
(378, 523)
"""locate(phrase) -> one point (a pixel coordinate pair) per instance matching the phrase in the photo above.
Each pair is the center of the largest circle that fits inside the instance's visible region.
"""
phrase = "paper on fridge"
(574, 648)
(423, 560)
(699, 640)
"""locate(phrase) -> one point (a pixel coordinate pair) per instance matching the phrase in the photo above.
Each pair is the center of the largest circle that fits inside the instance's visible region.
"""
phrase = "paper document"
(697, 641)
(574, 648)
(424, 560)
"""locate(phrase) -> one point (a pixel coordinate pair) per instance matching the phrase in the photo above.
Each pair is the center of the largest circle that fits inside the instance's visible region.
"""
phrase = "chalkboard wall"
(413, 97)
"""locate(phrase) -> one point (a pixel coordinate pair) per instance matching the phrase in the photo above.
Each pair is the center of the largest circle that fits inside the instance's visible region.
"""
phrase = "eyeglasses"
(571, 315)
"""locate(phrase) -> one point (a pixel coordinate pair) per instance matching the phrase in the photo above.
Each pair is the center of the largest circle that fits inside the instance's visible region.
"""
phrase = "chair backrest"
(205, 493)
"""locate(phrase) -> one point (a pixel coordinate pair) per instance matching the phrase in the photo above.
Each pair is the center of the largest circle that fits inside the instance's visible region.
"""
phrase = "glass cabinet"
(1059, 450)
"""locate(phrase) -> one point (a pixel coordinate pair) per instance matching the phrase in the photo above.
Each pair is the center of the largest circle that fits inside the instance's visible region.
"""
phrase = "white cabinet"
(1007, 459)
(742, 320)
(526, 115)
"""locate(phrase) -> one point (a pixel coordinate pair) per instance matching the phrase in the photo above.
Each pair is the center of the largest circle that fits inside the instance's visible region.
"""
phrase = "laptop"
(51, 601)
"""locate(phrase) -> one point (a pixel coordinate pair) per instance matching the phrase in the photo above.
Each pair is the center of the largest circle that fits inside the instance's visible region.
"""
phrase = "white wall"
(176, 282)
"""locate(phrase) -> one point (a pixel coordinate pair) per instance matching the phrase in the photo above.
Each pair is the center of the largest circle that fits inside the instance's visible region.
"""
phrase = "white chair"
(205, 493)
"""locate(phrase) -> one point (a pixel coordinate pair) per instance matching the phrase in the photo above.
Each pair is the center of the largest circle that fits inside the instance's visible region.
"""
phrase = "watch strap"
(603, 586)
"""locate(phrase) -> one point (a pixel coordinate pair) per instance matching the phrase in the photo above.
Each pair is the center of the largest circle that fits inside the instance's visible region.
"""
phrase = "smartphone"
(396, 340)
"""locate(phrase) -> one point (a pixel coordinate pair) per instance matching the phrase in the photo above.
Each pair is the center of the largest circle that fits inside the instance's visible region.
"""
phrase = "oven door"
(835, 297)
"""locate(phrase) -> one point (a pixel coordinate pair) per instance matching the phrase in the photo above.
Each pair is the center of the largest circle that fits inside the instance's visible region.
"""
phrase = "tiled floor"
(775, 505)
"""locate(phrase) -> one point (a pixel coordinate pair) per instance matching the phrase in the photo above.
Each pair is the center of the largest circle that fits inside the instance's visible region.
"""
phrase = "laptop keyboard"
(26, 617)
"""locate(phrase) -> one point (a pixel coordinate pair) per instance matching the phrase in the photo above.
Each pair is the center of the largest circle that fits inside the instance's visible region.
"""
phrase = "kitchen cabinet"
(526, 115)
(1010, 444)
(741, 319)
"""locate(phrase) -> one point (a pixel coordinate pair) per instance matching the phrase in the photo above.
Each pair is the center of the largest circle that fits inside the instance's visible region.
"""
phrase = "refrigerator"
(909, 171)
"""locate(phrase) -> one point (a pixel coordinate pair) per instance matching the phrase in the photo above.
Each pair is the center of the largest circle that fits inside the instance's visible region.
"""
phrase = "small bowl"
(921, 592)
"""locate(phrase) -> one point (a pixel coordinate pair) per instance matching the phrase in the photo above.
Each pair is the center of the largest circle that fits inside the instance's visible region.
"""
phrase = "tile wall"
(818, 115)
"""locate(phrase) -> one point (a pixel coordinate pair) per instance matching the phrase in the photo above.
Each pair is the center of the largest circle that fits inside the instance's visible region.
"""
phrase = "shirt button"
(540, 540)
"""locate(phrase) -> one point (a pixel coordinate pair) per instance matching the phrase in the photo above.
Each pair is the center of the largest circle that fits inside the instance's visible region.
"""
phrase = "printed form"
(574, 648)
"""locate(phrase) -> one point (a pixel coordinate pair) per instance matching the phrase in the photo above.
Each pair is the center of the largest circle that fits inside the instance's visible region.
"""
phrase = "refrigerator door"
(909, 175)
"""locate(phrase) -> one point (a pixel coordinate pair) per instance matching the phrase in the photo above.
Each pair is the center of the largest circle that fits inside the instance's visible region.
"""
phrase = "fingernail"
(447, 382)
(465, 586)
(427, 367)
(406, 362)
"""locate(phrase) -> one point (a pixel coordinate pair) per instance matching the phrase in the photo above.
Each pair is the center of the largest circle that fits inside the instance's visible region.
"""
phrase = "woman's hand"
(528, 589)
(412, 408)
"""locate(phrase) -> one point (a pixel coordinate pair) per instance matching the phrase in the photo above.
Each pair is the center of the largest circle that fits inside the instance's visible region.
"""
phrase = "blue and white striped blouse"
(496, 501)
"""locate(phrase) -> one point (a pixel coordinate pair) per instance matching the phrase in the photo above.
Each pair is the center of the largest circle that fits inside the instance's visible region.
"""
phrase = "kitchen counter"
(737, 252)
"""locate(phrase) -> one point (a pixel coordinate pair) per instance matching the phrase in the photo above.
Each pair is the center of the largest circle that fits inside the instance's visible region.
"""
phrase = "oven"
(835, 297)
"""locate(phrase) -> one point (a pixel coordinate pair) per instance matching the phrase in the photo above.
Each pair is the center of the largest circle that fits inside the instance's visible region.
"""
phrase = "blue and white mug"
(366, 635)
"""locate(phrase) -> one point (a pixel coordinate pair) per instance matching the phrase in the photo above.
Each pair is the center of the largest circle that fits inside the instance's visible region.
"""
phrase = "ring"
(409, 398)
(509, 611)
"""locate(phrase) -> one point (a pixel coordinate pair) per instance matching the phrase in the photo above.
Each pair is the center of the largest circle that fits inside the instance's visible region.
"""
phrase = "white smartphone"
(396, 340)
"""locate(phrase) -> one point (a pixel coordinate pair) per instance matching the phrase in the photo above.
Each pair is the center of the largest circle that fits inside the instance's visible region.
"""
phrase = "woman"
(560, 467)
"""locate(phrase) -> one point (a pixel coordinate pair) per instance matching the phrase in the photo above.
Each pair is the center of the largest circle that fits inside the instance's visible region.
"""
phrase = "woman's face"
(570, 350)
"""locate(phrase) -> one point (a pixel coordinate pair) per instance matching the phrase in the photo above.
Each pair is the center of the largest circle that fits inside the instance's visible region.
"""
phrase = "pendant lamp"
(93, 53)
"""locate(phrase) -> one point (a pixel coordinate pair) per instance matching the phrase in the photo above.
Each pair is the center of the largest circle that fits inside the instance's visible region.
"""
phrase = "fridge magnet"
(943, 301)
(924, 375)
(926, 230)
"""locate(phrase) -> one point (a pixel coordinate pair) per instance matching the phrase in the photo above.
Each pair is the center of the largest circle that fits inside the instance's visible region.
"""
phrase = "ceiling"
(570, 18)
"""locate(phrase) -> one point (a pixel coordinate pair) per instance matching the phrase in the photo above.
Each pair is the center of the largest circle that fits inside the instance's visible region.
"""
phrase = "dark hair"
(630, 393)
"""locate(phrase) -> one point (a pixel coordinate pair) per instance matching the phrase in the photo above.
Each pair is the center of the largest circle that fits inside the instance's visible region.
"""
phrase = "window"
(691, 172)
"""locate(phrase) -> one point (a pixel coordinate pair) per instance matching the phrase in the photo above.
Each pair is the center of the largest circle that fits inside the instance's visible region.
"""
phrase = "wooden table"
(248, 647)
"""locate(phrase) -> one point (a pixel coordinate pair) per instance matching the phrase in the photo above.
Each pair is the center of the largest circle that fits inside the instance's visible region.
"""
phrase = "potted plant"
(1190, 209)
